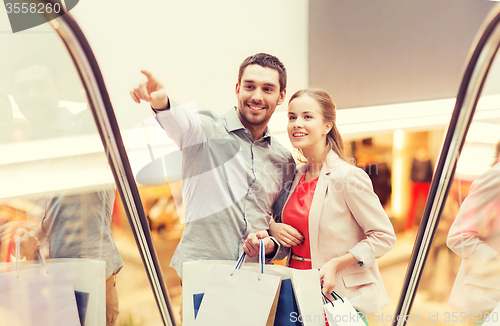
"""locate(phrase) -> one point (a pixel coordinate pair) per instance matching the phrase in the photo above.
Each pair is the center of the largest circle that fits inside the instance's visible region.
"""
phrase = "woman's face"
(306, 126)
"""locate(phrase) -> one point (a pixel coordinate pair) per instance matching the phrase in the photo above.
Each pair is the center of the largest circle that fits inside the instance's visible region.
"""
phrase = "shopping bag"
(38, 296)
(340, 312)
(42, 296)
(493, 318)
(307, 290)
(237, 297)
(287, 311)
(287, 306)
(87, 275)
(82, 301)
(306, 287)
(197, 298)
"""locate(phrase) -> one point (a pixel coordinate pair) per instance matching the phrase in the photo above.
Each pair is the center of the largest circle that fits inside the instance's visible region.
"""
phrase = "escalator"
(453, 276)
(84, 155)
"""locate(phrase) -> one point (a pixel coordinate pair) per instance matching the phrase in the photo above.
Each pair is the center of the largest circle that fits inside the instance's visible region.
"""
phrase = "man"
(75, 225)
(235, 174)
(37, 92)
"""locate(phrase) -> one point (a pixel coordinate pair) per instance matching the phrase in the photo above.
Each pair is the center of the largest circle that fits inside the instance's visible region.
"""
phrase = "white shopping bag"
(239, 297)
(493, 318)
(340, 312)
(37, 296)
(86, 275)
(306, 286)
(307, 289)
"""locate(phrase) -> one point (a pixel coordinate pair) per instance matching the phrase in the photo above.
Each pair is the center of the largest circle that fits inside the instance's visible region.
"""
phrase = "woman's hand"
(285, 234)
(328, 271)
(327, 275)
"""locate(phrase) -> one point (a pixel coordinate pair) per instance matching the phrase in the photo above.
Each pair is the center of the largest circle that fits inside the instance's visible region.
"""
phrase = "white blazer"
(475, 236)
(346, 216)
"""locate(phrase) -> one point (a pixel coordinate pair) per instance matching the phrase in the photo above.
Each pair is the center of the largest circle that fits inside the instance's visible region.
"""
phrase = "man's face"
(258, 95)
(36, 94)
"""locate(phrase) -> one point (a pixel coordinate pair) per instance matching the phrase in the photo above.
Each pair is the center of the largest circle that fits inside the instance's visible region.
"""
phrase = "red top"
(296, 214)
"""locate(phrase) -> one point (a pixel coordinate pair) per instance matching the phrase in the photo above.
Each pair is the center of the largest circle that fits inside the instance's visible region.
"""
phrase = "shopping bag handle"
(241, 260)
(17, 240)
(334, 294)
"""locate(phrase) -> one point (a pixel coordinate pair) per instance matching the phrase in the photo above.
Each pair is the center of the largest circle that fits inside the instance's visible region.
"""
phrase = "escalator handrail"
(479, 61)
(107, 125)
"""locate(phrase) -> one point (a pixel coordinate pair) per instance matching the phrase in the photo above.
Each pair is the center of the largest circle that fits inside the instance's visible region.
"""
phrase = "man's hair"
(267, 61)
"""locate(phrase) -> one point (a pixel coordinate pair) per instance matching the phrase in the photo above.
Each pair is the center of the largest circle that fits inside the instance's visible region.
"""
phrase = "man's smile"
(254, 107)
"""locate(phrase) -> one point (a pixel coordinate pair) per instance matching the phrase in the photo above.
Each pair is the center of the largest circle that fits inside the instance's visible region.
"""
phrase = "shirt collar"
(233, 123)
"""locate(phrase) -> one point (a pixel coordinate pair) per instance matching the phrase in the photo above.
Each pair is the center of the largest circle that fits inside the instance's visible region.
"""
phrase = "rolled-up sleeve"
(481, 206)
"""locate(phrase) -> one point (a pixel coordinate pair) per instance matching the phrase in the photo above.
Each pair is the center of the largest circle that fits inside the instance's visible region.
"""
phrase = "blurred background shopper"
(76, 225)
(474, 236)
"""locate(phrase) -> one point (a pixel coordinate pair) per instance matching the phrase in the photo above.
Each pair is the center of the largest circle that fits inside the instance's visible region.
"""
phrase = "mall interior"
(416, 84)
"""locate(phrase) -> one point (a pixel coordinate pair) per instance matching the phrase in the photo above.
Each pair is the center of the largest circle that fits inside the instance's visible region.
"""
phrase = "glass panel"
(461, 279)
(400, 165)
(54, 176)
(148, 149)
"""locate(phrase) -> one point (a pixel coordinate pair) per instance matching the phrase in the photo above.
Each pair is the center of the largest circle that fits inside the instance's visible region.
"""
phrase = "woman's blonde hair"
(328, 110)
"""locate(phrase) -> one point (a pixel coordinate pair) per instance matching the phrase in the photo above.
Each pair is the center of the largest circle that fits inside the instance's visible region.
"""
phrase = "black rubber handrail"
(107, 125)
(480, 59)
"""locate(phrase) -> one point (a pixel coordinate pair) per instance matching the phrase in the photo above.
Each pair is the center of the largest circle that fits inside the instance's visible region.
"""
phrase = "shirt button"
(246, 131)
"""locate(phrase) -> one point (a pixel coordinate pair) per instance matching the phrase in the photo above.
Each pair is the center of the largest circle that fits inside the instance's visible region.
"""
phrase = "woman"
(475, 237)
(332, 204)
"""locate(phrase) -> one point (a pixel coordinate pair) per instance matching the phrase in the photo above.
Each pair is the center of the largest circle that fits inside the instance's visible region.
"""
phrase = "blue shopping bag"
(287, 305)
(82, 301)
(197, 298)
